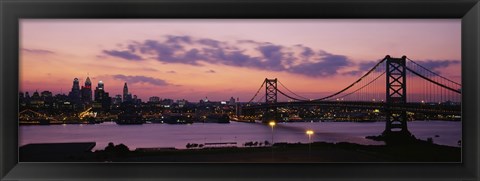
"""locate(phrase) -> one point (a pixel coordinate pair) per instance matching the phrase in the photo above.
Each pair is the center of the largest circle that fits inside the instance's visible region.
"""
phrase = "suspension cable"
(291, 91)
(434, 72)
(432, 81)
(364, 85)
(260, 99)
(256, 93)
(290, 96)
(354, 83)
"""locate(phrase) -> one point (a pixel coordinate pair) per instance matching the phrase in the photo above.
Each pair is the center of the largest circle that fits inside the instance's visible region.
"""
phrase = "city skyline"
(171, 59)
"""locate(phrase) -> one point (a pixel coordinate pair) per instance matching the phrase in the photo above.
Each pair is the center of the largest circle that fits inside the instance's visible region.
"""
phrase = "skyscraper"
(37, 100)
(87, 92)
(99, 92)
(125, 92)
(75, 94)
(102, 98)
(76, 84)
(27, 98)
(232, 101)
(117, 100)
(21, 99)
(154, 99)
(47, 97)
(101, 85)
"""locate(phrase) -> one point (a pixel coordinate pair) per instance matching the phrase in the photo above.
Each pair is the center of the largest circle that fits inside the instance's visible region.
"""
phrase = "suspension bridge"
(398, 87)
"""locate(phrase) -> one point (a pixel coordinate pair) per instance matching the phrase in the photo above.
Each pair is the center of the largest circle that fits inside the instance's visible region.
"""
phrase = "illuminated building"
(102, 98)
(75, 94)
(232, 101)
(154, 99)
(47, 97)
(117, 100)
(87, 92)
(125, 92)
(36, 100)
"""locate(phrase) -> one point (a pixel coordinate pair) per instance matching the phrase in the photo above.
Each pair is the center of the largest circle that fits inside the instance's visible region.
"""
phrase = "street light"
(272, 124)
(309, 133)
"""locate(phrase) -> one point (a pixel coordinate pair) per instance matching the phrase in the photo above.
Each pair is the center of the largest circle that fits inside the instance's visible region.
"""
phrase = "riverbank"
(316, 152)
(279, 153)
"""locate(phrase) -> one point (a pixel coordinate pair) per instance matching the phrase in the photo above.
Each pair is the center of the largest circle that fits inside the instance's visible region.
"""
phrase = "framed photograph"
(239, 90)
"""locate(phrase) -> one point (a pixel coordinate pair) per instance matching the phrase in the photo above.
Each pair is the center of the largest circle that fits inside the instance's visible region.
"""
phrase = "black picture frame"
(13, 10)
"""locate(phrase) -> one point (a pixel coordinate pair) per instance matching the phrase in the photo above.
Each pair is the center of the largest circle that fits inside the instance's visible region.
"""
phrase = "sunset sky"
(219, 59)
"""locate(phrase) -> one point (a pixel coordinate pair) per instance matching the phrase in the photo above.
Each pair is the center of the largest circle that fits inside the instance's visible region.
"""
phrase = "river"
(171, 135)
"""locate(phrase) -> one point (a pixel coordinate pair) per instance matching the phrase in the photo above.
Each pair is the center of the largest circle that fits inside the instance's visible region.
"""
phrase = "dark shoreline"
(281, 152)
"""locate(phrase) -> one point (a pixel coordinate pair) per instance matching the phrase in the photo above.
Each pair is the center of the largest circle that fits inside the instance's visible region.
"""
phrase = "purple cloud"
(366, 66)
(123, 54)
(210, 42)
(178, 39)
(273, 55)
(437, 64)
(269, 56)
(353, 73)
(141, 79)
(132, 48)
(171, 52)
(328, 65)
(307, 52)
(37, 51)
(363, 67)
(150, 69)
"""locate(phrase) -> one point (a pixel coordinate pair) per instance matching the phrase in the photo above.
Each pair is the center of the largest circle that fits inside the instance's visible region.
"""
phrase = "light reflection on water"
(167, 135)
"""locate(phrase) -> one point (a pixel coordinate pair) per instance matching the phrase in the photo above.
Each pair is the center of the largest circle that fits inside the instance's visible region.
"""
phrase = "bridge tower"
(271, 90)
(270, 98)
(396, 95)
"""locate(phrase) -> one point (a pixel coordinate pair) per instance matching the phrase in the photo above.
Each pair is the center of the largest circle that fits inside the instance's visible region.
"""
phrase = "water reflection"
(167, 135)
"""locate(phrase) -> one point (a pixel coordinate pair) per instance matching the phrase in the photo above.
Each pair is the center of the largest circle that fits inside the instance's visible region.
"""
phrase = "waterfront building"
(117, 100)
(87, 92)
(21, 99)
(166, 102)
(61, 101)
(36, 100)
(125, 92)
(136, 100)
(75, 94)
(99, 92)
(27, 98)
(154, 99)
(47, 98)
(46, 94)
(128, 98)
(232, 101)
(205, 100)
(181, 103)
(102, 98)
(154, 102)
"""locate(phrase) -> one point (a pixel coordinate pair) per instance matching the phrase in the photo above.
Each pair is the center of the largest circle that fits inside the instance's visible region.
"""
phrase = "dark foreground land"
(280, 152)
